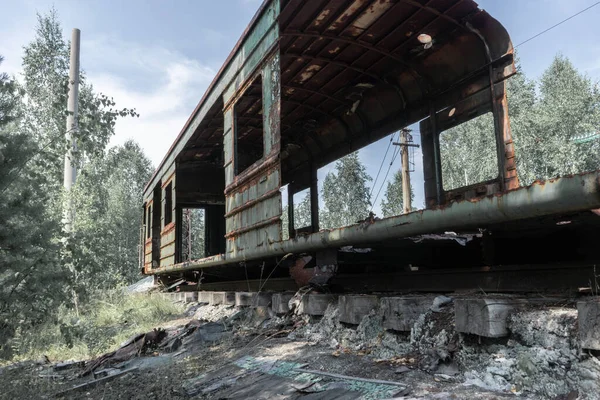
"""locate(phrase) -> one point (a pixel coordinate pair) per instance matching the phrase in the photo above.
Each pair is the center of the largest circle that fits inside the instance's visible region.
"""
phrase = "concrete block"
(401, 313)
(280, 302)
(204, 297)
(549, 327)
(316, 303)
(484, 317)
(353, 308)
(189, 297)
(222, 298)
(588, 317)
(252, 299)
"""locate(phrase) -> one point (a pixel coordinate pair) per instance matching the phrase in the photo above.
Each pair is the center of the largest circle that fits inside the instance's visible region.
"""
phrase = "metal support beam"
(557, 196)
(291, 230)
(350, 41)
(314, 198)
(435, 135)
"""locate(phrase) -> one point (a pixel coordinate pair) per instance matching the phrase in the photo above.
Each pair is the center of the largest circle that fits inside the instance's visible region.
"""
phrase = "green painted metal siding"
(253, 199)
(249, 56)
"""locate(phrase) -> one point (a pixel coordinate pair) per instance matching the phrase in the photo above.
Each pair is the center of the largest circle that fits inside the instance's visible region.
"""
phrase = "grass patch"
(102, 324)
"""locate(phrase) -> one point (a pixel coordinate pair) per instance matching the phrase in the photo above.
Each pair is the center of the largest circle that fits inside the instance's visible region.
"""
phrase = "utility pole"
(70, 171)
(404, 144)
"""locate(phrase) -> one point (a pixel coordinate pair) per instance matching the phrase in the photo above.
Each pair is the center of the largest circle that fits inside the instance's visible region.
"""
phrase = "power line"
(394, 155)
(560, 23)
(381, 166)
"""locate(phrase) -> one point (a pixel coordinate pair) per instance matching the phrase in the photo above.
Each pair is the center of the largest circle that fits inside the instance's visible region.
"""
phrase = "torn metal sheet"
(461, 239)
(368, 388)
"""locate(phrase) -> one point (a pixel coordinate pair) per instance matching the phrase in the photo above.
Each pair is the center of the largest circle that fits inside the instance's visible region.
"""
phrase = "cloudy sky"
(159, 56)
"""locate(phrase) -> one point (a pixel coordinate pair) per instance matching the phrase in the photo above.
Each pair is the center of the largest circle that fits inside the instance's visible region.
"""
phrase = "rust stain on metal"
(350, 11)
(354, 50)
(322, 16)
(309, 72)
(369, 16)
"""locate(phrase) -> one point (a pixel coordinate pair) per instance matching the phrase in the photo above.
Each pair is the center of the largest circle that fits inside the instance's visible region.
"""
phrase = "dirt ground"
(235, 361)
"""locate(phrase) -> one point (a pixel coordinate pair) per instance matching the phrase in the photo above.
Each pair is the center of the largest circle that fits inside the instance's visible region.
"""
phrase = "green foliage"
(285, 223)
(468, 153)
(193, 233)
(108, 319)
(345, 193)
(37, 275)
(302, 216)
(544, 126)
(568, 106)
(107, 195)
(392, 202)
(46, 77)
(30, 273)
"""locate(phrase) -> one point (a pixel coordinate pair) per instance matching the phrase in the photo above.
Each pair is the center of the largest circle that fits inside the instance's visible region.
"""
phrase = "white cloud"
(163, 87)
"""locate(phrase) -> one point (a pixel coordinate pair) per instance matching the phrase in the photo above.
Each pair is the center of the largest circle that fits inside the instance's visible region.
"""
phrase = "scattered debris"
(141, 286)
(352, 378)
(91, 384)
(68, 365)
(137, 345)
(402, 369)
(540, 359)
(175, 284)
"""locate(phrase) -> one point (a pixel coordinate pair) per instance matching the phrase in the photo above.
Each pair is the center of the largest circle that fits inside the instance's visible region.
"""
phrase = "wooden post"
(406, 191)
(405, 172)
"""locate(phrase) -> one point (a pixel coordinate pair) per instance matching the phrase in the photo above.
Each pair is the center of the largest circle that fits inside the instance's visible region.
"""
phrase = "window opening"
(468, 153)
(302, 213)
(169, 203)
(249, 136)
(193, 228)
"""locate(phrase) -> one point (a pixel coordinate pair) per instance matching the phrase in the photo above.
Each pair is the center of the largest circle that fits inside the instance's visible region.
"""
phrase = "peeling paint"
(322, 16)
(309, 72)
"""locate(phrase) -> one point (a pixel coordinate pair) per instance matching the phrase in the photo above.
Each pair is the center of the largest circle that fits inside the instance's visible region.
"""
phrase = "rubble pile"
(541, 357)
(253, 348)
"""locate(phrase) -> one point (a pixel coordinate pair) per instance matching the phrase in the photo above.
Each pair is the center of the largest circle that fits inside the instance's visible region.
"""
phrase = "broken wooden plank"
(91, 384)
(347, 377)
(67, 365)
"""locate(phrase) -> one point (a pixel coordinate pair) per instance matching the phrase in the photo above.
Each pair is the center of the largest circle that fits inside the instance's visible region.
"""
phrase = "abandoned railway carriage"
(312, 81)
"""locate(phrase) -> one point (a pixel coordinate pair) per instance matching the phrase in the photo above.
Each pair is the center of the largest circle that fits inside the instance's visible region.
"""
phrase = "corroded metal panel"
(148, 255)
(253, 52)
(228, 144)
(253, 198)
(272, 104)
(167, 248)
(245, 58)
(558, 196)
(168, 232)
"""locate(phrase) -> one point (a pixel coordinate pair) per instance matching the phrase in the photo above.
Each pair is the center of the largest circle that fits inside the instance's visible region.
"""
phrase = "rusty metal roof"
(353, 71)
